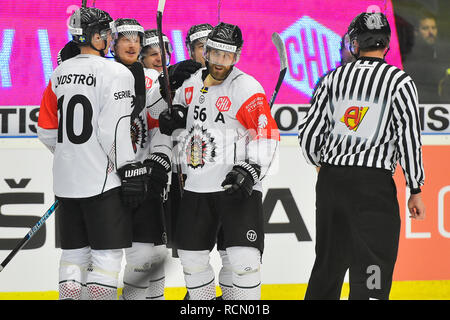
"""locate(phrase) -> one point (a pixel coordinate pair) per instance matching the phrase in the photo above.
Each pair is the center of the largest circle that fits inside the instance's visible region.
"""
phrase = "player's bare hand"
(416, 207)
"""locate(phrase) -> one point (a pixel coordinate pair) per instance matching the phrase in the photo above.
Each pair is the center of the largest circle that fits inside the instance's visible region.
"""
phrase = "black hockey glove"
(134, 183)
(178, 73)
(70, 50)
(169, 122)
(158, 167)
(139, 89)
(241, 179)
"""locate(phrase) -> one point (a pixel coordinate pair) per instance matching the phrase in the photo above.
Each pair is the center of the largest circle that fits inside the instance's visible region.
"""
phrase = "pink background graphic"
(32, 33)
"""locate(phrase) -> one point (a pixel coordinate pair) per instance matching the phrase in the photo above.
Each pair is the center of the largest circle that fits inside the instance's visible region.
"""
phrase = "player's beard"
(219, 73)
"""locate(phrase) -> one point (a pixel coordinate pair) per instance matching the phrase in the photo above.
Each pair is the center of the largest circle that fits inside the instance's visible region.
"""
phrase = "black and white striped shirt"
(365, 113)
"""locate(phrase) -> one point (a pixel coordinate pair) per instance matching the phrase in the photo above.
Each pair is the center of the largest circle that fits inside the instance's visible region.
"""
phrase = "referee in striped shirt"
(363, 119)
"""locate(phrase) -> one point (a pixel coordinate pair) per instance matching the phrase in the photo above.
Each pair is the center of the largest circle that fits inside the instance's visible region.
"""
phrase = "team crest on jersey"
(353, 116)
(188, 93)
(223, 104)
(138, 134)
(148, 82)
(199, 146)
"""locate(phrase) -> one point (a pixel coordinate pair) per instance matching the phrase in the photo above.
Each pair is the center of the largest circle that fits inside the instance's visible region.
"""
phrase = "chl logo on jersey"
(199, 147)
(188, 93)
(223, 104)
(353, 117)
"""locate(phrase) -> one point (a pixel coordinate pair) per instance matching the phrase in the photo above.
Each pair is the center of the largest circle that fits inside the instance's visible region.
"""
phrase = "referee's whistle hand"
(416, 207)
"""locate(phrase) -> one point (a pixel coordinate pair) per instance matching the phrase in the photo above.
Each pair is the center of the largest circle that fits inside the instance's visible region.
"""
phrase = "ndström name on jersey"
(74, 78)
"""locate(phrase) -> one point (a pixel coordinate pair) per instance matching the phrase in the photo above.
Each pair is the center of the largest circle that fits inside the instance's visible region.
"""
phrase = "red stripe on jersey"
(255, 115)
(152, 122)
(48, 112)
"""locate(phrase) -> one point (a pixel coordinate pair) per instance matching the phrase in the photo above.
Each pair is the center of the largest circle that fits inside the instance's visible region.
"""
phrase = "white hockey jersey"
(84, 118)
(226, 124)
(155, 105)
(145, 134)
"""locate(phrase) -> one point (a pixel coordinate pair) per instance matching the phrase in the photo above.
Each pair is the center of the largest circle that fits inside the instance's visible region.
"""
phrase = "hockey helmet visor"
(129, 28)
(221, 54)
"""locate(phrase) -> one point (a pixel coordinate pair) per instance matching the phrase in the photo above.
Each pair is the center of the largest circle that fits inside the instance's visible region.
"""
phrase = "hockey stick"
(159, 16)
(281, 49)
(83, 3)
(219, 3)
(29, 235)
(278, 42)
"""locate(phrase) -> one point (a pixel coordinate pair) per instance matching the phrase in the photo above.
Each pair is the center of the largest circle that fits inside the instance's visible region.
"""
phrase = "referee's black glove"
(241, 179)
(134, 183)
(158, 168)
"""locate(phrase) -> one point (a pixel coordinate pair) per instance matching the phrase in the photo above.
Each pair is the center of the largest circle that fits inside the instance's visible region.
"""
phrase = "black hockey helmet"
(198, 32)
(224, 37)
(129, 28)
(370, 30)
(85, 22)
(151, 40)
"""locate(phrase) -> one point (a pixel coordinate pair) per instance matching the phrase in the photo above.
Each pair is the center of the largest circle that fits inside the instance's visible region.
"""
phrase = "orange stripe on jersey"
(48, 112)
(152, 122)
(255, 115)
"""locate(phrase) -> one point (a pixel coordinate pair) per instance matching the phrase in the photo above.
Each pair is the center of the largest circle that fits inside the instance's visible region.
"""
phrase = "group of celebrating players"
(140, 165)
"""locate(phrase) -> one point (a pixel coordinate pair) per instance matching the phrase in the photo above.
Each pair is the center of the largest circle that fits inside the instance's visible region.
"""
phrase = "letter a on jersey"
(353, 117)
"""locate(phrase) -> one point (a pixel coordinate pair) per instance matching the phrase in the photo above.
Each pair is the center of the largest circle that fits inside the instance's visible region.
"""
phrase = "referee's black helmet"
(371, 31)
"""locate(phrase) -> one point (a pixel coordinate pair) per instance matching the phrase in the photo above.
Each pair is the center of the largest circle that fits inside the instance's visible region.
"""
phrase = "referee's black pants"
(357, 229)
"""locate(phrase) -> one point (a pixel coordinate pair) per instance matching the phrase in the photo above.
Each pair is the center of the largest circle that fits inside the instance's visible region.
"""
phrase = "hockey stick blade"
(281, 49)
(29, 235)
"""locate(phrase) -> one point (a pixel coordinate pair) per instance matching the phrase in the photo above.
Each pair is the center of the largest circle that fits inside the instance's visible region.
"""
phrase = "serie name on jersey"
(73, 78)
(122, 94)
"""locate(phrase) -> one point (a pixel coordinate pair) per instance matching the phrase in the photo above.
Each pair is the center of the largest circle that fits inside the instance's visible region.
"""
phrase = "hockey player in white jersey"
(195, 42)
(84, 113)
(151, 53)
(230, 141)
(144, 276)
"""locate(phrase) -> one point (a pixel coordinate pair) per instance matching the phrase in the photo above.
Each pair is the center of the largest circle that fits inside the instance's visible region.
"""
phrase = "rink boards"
(289, 204)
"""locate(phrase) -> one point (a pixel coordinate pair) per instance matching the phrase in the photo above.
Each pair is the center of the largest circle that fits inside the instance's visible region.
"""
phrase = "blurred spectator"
(428, 59)
(405, 33)
(444, 88)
